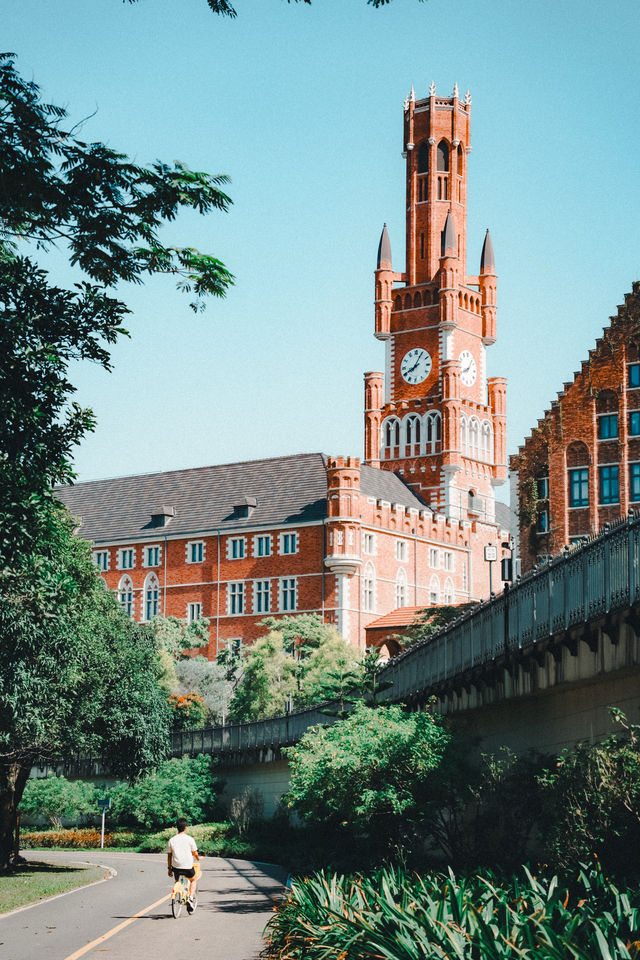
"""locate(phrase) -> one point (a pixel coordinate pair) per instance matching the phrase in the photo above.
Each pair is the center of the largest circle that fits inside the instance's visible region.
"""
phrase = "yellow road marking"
(106, 936)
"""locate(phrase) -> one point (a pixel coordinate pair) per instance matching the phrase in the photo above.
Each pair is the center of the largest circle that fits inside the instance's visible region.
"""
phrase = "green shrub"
(205, 835)
(367, 772)
(397, 916)
(182, 787)
(591, 803)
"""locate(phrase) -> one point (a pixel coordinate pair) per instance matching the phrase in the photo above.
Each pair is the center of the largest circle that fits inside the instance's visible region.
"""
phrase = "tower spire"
(449, 240)
(487, 259)
(384, 250)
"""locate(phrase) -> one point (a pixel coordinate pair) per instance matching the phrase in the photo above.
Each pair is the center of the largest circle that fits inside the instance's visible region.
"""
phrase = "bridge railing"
(582, 584)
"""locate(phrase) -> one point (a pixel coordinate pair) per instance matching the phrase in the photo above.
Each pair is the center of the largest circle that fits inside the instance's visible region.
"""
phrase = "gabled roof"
(287, 490)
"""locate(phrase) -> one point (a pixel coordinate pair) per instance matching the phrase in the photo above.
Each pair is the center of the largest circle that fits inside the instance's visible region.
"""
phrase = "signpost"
(104, 803)
(491, 555)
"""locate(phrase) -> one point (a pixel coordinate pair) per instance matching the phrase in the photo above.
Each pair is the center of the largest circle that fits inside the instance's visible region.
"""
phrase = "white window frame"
(369, 588)
(369, 544)
(256, 544)
(237, 545)
(121, 553)
(402, 553)
(189, 547)
(235, 598)
(194, 611)
(449, 592)
(286, 586)
(145, 555)
(126, 596)
(434, 558)
(402, 588)
(97, 554)
(282, 541)
(434, 588)
(448, 560)
(151, 583)
(261, 589)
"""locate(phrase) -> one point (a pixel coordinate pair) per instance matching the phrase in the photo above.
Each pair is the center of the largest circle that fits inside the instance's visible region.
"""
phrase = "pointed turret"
(487, 259)
(449, 240)
(384, 250)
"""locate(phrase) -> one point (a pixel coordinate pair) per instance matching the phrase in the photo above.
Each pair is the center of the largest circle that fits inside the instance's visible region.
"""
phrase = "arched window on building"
(578, 474)
(401, 588)
(397, 303)
(443, 157)
(459, 159)
(390, 434)
(125, 594)
(434, 591)
(151, 597)
(423, 157)
(412, 430)
(433, 431)
(474, 437)
(486, 442)
(464, 435)
(448, 592)
(426, 298)
(369, 588)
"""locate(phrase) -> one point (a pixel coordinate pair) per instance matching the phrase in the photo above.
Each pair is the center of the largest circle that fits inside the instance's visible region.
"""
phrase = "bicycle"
(180, 894)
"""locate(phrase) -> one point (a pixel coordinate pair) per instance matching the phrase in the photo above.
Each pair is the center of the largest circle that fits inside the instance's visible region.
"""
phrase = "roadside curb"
(56, 896)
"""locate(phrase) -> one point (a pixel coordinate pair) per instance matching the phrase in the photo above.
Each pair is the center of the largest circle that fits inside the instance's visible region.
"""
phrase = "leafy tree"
(76, 674)
(56, 798)
(57, 190)
(184, 787)
(305, 662)
(269, 680)
(366, 772)
(206, 678)
(189, 711)
(177, 637)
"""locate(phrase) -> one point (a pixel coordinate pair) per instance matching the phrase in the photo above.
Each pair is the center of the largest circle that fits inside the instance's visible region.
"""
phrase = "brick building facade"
(580, 466)
(351, 541)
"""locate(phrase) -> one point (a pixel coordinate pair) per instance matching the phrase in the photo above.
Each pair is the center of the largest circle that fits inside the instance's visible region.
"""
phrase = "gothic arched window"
(423, 158)
(443, 157)
(474, 437)
(125, 595)
(151, 597)
(486, 441)
(433, 431)
(412, 430)
(459, 159)
(391, 433)
(369, 588)
(448, 593)
(434, 590)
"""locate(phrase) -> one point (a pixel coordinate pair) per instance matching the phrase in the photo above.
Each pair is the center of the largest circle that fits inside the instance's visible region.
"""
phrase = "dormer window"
(243, 509)
(162, 515)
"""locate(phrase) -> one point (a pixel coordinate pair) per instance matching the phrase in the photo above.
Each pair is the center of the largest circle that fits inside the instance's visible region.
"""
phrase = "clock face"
(416, 365)
(467, 368)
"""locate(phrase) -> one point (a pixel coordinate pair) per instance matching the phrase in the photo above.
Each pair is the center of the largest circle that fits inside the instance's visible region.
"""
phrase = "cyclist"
(181, 851)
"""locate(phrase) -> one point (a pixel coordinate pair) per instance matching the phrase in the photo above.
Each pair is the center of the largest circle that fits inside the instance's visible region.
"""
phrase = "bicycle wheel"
(176, 903)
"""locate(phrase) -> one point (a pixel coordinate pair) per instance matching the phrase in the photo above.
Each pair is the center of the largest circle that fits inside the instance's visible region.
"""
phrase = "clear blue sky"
(302, 107)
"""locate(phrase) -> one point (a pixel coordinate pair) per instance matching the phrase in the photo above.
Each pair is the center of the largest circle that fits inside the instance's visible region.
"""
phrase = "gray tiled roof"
(287, 490)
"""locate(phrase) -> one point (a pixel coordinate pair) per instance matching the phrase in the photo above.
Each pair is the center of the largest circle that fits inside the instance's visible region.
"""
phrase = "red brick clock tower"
(434, 417)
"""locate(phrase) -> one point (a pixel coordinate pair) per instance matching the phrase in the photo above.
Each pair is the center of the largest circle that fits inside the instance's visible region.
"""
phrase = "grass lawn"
(37, 880)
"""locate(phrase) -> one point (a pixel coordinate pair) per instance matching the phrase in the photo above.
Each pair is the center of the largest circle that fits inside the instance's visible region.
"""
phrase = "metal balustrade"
(583, 584)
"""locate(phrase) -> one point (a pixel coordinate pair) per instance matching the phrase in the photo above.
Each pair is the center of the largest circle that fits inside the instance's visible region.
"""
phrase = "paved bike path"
(235, 900)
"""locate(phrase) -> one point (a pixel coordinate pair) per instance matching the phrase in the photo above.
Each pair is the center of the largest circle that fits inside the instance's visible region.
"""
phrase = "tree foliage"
(106, 212)
(184, 787)
(301, 661)
(57, 798)
(188, 710)
(365, 772)
(76, 674)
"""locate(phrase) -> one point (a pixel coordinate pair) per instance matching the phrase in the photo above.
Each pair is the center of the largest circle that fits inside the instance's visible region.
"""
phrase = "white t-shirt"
(181, 848)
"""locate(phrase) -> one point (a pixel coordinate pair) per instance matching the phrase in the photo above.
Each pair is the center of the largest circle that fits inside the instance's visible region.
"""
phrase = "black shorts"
(179, 872)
